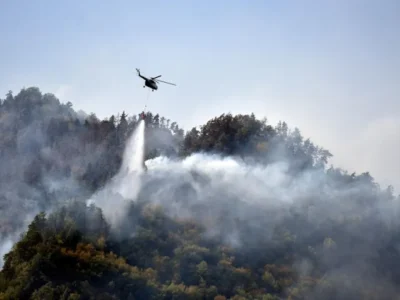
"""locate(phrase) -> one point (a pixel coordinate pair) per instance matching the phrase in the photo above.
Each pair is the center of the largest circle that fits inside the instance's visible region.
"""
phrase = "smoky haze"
(342, 228)
(51, 155)
(33, 176)
(336, 226)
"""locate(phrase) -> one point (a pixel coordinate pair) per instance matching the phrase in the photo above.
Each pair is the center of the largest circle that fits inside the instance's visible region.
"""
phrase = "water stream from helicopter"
(147, 100)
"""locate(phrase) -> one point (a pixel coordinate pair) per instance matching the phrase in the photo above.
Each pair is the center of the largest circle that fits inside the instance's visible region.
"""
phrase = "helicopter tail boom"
(141, 76)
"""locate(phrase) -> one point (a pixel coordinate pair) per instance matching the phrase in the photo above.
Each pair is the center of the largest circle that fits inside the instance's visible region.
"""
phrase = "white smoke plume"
(334, 220)
(241, 204)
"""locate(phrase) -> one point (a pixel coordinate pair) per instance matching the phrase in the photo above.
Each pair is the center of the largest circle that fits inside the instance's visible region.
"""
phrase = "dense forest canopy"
(234, 209)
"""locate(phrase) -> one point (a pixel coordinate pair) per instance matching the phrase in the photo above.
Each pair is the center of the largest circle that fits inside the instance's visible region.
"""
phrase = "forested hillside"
(51, 153)
(235, 209)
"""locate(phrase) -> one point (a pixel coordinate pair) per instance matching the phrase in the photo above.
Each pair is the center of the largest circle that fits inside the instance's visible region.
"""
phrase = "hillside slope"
(235, 209)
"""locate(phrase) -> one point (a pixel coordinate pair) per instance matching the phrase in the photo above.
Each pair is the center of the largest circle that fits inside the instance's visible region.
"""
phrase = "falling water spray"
(125, 185)
(128, 179)
(134, 151)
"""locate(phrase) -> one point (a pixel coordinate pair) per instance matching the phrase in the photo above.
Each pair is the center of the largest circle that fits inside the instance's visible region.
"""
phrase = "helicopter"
(152, 81)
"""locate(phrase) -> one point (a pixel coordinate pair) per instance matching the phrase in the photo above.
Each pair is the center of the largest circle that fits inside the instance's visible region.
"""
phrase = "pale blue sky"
(332, 68)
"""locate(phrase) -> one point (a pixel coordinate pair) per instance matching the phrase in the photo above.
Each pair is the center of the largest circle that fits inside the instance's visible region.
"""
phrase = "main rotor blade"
(155, 77)
(166, 82)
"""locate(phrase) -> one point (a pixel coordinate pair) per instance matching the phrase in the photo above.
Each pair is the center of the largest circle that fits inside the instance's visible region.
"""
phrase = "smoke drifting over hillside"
(33, 177)
(340, 228)
(336, 226)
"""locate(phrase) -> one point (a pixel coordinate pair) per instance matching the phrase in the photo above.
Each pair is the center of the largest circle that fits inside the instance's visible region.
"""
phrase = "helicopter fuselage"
(152, 81)
(151, 84)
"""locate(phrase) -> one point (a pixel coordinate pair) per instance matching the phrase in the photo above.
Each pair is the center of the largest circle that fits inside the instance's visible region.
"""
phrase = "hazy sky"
(331, 68)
